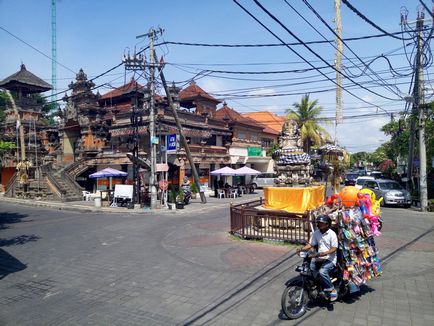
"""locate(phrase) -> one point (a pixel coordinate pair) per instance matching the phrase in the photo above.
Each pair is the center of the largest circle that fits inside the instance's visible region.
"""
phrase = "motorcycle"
(187, 193)
(306, 288)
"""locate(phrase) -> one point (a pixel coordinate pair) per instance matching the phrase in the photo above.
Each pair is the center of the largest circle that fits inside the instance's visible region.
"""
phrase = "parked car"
(350, 179)
(262, 180)
(391, 191)
(361, 180)
(376, 174)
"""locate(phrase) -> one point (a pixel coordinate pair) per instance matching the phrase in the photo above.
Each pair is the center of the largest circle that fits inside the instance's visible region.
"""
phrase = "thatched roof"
(26, 81)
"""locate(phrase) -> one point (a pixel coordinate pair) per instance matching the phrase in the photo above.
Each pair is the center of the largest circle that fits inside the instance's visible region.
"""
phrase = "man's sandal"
(333, 296)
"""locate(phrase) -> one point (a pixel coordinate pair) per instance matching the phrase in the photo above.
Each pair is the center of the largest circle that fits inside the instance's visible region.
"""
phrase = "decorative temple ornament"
(292, 165)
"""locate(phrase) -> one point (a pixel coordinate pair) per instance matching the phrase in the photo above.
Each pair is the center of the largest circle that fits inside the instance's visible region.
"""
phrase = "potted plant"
(172, 199)
(194, 190)
(180, 199)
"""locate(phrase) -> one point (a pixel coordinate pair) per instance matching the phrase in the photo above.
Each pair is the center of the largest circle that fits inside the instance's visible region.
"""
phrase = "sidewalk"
(195, 205)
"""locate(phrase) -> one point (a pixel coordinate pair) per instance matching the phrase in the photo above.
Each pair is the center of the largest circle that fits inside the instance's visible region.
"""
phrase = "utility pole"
(53, 51)
(152, 34)
(418, 114)
(338, 65)
(135, 63)
(181, 133)
(420, 98)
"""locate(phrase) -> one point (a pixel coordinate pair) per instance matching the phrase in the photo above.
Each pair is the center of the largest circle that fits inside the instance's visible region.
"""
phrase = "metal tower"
(53, 51)
(338, 65)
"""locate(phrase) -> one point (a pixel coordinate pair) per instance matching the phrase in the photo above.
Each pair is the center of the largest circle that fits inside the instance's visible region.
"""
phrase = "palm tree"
(307, 115)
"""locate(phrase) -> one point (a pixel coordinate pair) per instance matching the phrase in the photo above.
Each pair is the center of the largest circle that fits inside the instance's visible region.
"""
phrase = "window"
(219, 140)
(241, 135)
(391, 186)
(266, 142)
(370, 184)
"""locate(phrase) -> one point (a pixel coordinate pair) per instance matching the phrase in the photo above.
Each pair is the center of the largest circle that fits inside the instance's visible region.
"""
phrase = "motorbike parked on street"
(306, 288)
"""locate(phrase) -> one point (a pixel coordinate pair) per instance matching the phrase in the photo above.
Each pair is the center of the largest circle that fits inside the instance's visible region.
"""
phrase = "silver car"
(263, 180)
(391, 191)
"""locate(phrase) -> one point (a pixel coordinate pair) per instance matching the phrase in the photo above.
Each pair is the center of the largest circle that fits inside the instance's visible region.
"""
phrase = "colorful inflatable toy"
(348, 196)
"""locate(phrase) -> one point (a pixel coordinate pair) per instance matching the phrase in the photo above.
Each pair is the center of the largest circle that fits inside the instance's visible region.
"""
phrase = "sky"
(93, 35)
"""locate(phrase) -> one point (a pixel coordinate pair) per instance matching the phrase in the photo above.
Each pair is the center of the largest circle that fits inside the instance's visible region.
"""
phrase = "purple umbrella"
(245, 170)
(226, 171)
(108, 172)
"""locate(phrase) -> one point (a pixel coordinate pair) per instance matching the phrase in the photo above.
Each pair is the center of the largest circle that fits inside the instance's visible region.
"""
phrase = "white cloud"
(210, 85)
(360, 135)
(262, 91)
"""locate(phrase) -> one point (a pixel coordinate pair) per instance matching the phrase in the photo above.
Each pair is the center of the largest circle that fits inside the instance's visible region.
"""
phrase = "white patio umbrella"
(245, 170)
(226, 171)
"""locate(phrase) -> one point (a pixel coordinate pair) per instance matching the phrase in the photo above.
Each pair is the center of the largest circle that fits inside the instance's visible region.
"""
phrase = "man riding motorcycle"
(324, 260)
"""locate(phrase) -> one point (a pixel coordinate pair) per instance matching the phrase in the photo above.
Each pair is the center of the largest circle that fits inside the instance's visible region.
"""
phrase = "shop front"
(252, 157)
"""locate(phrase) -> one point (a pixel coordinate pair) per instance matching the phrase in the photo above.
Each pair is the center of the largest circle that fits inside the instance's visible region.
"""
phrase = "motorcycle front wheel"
(294, 301)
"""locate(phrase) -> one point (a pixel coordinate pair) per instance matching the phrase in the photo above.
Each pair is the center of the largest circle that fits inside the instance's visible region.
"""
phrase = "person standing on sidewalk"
(216, 187)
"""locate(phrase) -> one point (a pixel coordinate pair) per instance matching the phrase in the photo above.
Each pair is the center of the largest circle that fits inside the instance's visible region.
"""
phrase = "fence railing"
(10, 187)
(249, 222)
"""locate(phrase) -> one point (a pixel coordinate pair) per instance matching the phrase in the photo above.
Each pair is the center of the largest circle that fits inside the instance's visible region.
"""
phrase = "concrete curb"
(70, 206)
(193, 207)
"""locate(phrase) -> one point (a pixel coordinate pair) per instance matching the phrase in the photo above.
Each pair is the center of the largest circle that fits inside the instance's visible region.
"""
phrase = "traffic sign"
(171, 143)
(163, 184)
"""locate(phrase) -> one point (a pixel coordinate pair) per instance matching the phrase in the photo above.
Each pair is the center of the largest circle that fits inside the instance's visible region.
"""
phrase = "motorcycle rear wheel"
(291, 308)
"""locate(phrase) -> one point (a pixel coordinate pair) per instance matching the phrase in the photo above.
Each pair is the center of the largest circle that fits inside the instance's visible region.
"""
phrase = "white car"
(263, 180)
(361, 180)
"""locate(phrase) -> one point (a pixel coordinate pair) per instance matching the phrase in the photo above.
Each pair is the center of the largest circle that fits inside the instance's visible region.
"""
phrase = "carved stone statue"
(292, 165)
(290, 136)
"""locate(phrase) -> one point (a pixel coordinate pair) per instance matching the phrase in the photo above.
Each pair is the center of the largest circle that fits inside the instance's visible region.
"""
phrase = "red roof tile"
(125, 89)
(193, 91)
(227, 113)
(269, 130)
(268, 119)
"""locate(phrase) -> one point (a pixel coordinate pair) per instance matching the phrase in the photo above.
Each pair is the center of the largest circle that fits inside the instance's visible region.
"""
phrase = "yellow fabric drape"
(294, 200)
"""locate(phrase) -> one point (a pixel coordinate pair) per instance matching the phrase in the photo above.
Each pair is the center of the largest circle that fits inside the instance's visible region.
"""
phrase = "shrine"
(26, 125)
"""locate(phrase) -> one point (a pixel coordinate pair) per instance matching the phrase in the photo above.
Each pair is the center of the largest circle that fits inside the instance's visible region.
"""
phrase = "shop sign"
(171, 143)
(254, 151)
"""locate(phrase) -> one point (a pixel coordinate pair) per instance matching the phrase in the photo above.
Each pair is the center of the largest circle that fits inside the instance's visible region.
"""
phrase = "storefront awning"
(258, 159)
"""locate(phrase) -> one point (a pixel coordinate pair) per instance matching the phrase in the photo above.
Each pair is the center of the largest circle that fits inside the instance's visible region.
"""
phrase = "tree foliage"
(274, 147)
(5, 147)
(359, 157)
(4, 101)
(307, 114)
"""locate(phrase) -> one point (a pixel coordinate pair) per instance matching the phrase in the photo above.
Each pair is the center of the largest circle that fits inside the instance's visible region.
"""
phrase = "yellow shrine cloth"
(294, 200)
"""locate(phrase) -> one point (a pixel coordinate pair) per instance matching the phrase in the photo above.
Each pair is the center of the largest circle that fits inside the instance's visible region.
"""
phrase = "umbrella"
(226, 171)
(245, 170)
(108, 173)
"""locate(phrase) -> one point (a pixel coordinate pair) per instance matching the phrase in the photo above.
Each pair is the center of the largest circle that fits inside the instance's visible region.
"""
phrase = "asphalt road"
(65, 268)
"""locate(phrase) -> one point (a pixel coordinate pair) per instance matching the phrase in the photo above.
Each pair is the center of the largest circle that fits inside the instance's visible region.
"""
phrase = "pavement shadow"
(9, 264)
(313, 307)
(7, 218)
(351, 298)
(19, 240)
